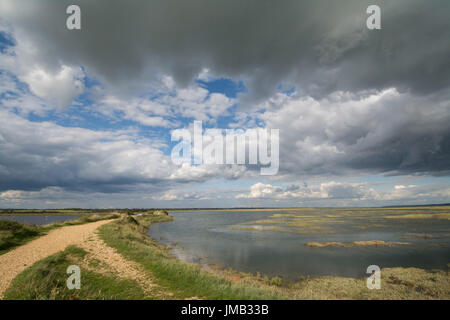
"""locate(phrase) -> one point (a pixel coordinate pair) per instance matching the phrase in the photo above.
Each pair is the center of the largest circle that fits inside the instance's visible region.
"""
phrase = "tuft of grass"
(274, 281)
(46, 280)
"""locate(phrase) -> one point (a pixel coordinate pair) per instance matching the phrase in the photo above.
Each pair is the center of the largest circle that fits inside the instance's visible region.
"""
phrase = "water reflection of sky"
(206, 237)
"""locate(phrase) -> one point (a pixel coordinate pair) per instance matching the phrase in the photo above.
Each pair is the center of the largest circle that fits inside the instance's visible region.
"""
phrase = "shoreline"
(218, 268)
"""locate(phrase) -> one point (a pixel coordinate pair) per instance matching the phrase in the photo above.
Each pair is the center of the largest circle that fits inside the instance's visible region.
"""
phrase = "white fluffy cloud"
(326, 190)
(198, 173)
(18, 99)
(58, 89)
(261, 190)
(168, 104)
(342, 192)
(177, 195)
(57, 84)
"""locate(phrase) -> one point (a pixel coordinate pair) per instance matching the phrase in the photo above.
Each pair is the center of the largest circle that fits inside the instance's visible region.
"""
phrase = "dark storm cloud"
(390, 132)
(320, 46)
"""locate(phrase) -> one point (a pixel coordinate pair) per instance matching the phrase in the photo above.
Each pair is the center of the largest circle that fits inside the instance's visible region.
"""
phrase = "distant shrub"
(275, 281)
(160, 213)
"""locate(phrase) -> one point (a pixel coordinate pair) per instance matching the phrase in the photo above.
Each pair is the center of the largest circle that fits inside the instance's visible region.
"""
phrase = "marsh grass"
(375, 243)
(396, 284)
(444, 215)
(260, 228)
(287, 229)
(324, 220)
(417, 235)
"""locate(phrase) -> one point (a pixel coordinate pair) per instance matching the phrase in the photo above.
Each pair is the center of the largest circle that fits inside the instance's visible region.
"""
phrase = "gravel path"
(14, 262)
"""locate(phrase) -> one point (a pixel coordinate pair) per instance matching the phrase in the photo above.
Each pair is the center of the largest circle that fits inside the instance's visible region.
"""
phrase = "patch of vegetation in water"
(332, 220)
(286, 229)
(441, 215)
(376, 243)
(417, 235)
(260, 228)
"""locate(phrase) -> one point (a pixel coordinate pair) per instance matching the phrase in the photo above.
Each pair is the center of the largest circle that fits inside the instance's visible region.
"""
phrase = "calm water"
(207, 237)
(39, 219)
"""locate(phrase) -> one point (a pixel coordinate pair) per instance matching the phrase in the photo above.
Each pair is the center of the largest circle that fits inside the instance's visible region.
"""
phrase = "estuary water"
(38, 219)
(247, 241)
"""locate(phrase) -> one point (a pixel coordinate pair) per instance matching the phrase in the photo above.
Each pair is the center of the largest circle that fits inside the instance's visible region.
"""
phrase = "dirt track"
(17, 260)
(113, 262)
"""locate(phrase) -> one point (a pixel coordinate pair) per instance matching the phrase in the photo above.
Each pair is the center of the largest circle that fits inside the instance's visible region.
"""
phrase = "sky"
(86, 116)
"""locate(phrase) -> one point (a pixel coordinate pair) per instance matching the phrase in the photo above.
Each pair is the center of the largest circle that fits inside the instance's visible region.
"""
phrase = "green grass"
(46, 280)
(13, 234)
(184, 280)
(396, 284)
